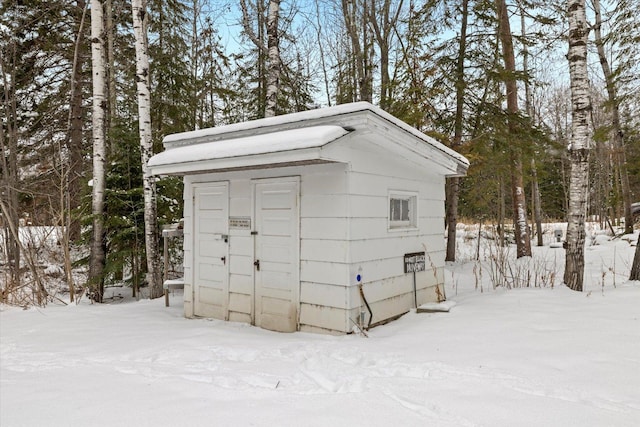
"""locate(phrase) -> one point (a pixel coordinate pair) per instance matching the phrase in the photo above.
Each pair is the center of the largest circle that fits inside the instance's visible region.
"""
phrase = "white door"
(277, 252)
(211, 250)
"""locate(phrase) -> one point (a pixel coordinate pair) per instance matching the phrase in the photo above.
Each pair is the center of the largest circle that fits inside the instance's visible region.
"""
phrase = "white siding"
(344, 231)
(324, 251)
(188, 247)
(376, 252)
(324, 259)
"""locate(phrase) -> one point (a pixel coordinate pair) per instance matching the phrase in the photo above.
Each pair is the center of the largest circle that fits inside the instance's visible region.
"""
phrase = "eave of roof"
(291, 139)
(292, 146)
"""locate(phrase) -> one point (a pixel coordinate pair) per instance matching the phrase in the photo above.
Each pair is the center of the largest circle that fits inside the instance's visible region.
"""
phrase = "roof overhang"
(307, 137)
(292, 147)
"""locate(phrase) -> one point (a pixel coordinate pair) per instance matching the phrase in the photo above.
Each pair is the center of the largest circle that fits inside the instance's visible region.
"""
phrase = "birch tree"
(154, 274)
(273, 55)
(98, 135)
(579, 144)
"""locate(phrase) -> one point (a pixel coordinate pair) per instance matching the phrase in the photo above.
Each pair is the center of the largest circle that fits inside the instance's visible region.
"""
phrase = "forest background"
(439, 65)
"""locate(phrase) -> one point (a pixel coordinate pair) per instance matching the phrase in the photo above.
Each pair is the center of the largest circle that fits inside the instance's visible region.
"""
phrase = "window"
(402, 210)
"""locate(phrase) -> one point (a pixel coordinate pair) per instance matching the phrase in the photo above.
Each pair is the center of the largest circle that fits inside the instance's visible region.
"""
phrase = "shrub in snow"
(53, 270)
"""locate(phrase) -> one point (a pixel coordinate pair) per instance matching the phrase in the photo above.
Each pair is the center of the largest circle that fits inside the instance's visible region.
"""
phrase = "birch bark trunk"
(579, 144)
(273, 52)
(154, 273)
(98, 135)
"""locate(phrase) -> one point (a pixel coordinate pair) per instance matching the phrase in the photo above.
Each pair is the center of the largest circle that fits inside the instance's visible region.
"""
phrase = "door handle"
(257, 264)
(224, 260)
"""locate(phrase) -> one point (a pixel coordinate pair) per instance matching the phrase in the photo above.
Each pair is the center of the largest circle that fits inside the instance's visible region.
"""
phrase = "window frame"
(403, 225)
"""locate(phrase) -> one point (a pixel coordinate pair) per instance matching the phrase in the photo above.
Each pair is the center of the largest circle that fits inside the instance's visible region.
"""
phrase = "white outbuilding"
(314, 221)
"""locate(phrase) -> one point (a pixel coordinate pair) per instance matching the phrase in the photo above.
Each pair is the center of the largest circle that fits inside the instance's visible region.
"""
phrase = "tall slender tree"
(617, 134)
(579, 144)
(635, 266)
(99, 105)
(273, 54)
(73, 169)
(154, 273)
(384, 17)
(10, 54)
(356, 19)
(523, 242)
(453, 184)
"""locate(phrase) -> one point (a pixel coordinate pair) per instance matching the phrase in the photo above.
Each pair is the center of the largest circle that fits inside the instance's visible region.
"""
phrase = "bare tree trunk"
(70, 178)
(635, 267)
(579, 146)
(523, 242)
(366, 80)
(325, 73)
(453, 184)
(258, 41)
(154, 272)
(97, 256)
(361, 52)
(383, 21)
(535, 199)
(618, 136)
(110, 33)
(76, 138)
(501, 210)
(9, 168)
(273, 74)
(535, 189)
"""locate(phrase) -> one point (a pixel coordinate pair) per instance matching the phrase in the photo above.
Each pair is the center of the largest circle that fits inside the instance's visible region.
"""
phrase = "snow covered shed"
(292, 222)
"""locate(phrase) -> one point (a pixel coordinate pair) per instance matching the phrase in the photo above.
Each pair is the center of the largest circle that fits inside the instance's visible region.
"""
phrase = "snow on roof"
(302, 117)
(275, 142)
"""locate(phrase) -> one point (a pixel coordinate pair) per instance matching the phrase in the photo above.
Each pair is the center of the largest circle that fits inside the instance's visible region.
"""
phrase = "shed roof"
(295, 139)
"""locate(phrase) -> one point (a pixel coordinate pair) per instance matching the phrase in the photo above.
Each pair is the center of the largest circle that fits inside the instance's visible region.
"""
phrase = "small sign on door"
(240, 222)
(414, 262)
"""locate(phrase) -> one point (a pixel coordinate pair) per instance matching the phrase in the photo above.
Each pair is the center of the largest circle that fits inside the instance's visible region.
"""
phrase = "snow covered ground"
(537, 356)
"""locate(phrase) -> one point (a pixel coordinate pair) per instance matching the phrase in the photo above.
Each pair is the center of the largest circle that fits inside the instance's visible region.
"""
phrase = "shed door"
(277, 254)
(211, 250)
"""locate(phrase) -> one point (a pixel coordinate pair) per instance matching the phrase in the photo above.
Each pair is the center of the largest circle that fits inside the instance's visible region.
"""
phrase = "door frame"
(292, 179)
(195, 241)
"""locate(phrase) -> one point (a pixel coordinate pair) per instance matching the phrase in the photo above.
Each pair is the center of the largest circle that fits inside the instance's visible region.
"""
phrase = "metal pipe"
(367, 304)
(415, 291)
